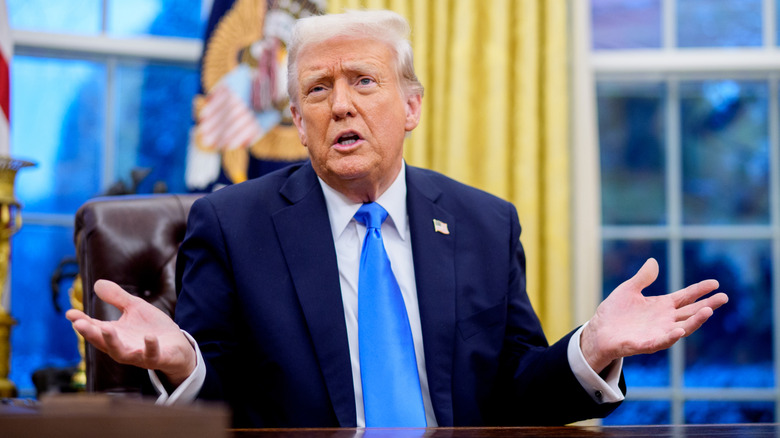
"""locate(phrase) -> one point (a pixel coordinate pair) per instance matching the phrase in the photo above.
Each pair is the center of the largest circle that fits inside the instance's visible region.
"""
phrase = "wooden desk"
(99, 416)
(702, 431)
(102, 416)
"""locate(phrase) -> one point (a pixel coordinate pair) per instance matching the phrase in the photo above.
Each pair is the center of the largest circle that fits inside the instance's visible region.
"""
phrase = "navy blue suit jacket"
(259, 290)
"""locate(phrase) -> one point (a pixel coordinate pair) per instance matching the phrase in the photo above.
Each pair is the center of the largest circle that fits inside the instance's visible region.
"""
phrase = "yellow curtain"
(495, 116)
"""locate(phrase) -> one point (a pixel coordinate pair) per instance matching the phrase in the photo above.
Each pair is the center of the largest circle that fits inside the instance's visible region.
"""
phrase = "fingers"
(658, 344)
(690, 294)
(105, 338)
(112, 342)
(717, 300)
(693, 323)
(117, 349)
(98, 333)
(74, 315)
(713, 302)
(685, 326)
(111, 293)
(674, 336)
(114, 345)
(88, 328)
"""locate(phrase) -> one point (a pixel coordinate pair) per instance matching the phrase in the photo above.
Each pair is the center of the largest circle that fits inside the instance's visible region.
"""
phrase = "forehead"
(345, 53)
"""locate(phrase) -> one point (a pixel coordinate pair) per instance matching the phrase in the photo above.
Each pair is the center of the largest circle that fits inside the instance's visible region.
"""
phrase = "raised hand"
(628, 323)
(143, 336)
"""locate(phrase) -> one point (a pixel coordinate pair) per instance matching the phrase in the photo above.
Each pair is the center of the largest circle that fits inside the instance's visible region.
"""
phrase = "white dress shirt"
(348, 236)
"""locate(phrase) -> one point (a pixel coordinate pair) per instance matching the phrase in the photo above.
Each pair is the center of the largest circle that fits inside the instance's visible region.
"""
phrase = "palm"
(143, 336)
(628, 323)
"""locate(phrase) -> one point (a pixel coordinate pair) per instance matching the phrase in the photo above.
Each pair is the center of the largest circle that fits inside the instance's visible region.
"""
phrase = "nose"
(341, 104)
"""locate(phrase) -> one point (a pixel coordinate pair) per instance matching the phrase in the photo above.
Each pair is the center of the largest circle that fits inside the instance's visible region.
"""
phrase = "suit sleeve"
(206, 304)
(536, 384)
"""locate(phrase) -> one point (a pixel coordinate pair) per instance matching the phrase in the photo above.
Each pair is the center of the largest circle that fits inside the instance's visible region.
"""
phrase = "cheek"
(314, 129)
(389, 119)
(393, 133)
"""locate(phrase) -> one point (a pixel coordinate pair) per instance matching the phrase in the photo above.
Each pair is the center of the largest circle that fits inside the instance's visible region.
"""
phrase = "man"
(271, 274)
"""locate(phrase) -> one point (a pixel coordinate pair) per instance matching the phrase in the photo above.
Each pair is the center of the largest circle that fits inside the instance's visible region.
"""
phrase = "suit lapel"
(434, 268)
(307, 243)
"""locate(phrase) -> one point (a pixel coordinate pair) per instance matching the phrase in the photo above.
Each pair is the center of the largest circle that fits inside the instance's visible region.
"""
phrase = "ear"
(413, 111)
(298, 120)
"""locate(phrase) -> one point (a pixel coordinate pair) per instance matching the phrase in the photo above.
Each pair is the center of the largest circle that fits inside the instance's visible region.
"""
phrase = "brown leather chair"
(131, 240)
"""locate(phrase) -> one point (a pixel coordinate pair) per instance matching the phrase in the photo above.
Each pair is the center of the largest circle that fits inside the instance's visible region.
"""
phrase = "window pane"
(734, 348)
(174, 18)
(640, 412)
(631, 132)
(42, 336)
(777, 22)
(726, 412)
(622, 259)
(153, 117)
(725, 138)
(58, 121)
(71, 16)
(626, 24)
(730, 23)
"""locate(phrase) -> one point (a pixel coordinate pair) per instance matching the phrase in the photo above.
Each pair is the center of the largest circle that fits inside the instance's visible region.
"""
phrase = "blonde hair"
(385, 26)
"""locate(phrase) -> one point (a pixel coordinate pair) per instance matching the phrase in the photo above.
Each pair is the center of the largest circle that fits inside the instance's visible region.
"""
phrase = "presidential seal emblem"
(244, 111)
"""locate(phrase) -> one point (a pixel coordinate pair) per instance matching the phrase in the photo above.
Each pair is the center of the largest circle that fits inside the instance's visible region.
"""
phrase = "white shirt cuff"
(189, 388)
(601, 390)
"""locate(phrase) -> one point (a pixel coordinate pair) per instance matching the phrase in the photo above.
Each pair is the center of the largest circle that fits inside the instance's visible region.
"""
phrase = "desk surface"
(720, 431)
(91, 415)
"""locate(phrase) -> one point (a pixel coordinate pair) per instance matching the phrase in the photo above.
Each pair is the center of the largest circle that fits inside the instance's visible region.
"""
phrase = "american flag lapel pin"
(440, 227)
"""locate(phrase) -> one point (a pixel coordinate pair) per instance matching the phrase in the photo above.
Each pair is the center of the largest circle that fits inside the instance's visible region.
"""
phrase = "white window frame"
(670, 64)
(109, 50)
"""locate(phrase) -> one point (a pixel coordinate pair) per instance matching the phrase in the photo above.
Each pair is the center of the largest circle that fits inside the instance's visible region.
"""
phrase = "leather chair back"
(133, 241)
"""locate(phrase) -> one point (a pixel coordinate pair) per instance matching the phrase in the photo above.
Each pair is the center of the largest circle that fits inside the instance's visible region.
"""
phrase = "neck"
(362, 190)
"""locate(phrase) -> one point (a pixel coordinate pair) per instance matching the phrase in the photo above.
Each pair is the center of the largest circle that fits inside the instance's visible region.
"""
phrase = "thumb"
(646, 275)
(111, 293)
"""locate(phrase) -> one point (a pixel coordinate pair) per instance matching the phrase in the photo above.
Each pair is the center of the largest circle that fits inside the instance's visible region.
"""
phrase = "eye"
(364, 81)
(316, 93)
(315, 89)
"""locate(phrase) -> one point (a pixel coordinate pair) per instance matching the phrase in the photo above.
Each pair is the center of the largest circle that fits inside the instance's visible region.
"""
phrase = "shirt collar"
(341, 210)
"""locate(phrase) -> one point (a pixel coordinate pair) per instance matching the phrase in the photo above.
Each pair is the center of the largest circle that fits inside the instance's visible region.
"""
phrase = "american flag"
(6, 53)
(440, 227)
(226, 122)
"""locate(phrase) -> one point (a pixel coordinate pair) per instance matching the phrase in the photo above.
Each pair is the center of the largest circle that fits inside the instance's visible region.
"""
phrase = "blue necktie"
(388, 367)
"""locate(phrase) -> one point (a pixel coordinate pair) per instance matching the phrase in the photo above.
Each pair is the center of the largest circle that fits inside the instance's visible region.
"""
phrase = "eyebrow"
(358, 67)
(313, 77)
(362, 67)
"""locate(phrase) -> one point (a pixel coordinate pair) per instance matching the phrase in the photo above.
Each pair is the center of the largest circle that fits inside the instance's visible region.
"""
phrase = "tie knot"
(371, 215)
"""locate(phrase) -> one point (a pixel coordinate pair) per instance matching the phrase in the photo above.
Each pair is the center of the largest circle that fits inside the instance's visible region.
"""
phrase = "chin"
(351, 168)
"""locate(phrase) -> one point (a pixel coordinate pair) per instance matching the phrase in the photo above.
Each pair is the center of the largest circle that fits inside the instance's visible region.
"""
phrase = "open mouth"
(348, 139)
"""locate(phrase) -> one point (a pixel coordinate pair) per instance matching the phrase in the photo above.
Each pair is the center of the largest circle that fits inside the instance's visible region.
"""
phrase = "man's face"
(352, 114)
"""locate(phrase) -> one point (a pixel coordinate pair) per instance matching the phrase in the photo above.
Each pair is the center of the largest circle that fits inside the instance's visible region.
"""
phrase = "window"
(687, 99)
(100, 89)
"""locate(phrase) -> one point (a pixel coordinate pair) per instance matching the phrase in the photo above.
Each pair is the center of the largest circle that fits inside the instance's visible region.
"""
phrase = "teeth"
(347, 140)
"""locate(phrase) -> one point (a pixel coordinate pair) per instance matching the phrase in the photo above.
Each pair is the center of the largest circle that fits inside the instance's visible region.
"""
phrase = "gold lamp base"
(7, 388)
(10, 222)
